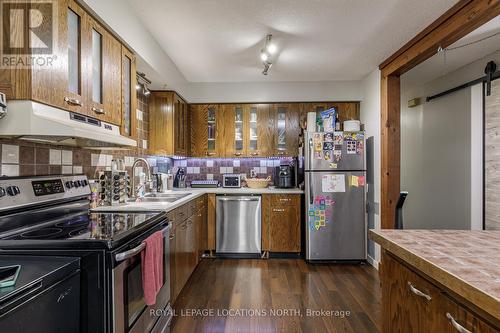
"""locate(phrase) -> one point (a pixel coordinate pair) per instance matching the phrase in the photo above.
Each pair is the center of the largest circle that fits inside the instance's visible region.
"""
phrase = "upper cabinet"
(286, 129)
(129, 95)
(207, 130)
(168, 124)
(82, 73)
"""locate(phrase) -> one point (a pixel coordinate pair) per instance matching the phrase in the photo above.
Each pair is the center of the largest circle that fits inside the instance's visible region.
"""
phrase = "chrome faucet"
(148, 174)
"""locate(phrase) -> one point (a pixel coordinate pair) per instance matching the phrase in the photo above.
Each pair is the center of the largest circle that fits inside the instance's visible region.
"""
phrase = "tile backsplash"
(26, 158)
(208, 169)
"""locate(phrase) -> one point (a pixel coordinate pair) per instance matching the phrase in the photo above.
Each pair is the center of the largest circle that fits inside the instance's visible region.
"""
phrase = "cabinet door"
(191, 246)
(104, 73)
(65, 85)
(50, 85)
(180, 122)
(161, 136)
(173, 265)
(284, 225)
(234, 121)
(454, 317)
(129, 94)
(206, 130)
(181, 258)
(286, 129)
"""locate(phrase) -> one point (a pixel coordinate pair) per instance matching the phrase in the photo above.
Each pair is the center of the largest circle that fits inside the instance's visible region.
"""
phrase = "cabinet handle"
(456, 325)
(98, 110)
(418, 292)
(254, 154)
(184, 227)
(278, 210)
(237, 154)
(210, 153)
(281, 153)
(72, 101)
(285, 199)
(171, 236)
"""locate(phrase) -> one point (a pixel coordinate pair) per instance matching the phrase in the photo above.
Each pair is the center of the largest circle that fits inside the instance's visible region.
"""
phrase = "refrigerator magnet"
(327, 155)
(318, 155)
(318, 141)
(328, 137)
(359, 147)
(351, 147)
(361, 180)
(328, 145)
(338, 138)
(333, 165)
(337, 155)
(354, 181)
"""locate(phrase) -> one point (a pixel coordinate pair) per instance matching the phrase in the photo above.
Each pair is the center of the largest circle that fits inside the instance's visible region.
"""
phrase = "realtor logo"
(28, 32)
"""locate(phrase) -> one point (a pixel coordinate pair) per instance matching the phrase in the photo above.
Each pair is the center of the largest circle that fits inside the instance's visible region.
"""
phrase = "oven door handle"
(130, 253)
(138, 249)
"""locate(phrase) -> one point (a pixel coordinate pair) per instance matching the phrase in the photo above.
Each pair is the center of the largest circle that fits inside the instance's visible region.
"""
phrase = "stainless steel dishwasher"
(238, 227)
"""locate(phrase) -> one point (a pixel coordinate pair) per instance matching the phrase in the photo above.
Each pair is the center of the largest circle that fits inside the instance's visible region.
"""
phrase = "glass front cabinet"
(286, 129)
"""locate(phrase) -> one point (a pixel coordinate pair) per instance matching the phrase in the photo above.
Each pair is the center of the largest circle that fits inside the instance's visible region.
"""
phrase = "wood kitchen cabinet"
(168, 125)
(82, 74)
(129, 94)
(286, 129)
(103, 73)
(412, 303)
(207, 130)
(281, 222)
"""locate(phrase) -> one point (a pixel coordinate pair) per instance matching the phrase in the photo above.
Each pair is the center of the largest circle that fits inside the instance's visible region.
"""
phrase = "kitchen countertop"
(194, 193)
(466, 262)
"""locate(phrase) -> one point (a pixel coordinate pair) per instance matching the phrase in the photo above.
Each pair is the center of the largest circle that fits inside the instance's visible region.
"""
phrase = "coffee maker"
(284, 176)
(180, 178)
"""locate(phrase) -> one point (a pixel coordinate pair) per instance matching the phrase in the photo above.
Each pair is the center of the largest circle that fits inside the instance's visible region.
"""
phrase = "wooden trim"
(457, 22)
(390, 146)
(211, 221)
(445, 31)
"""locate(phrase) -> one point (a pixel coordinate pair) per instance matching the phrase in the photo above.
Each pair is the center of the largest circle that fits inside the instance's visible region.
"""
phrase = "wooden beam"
(446, 30)
(390, 145)
(457, 22)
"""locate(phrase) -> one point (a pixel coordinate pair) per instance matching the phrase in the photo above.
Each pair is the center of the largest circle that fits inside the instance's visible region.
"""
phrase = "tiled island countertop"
(466, 262)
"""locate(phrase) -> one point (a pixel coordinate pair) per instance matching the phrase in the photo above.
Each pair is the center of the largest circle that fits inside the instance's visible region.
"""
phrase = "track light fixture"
(266, 54)
(143, 82)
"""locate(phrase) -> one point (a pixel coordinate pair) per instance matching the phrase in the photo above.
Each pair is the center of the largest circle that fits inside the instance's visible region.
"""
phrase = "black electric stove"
(50, 217)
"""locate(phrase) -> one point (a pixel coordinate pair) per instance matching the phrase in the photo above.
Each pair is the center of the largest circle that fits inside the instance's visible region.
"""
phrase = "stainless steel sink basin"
(161, 197)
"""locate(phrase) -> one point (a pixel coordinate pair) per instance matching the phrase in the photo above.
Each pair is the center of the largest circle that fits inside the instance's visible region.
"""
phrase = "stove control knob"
(85, 182)
(69, 184)
(13, 190)
(78, 183)
(2, 192)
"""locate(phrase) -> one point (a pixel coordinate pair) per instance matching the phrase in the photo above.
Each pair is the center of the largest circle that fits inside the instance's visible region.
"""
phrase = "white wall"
(370, 117)
(275, 91)
(441, 151)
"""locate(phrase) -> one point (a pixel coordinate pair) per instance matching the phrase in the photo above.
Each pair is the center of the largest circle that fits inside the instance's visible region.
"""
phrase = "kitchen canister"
(311, 121)
(352, 126)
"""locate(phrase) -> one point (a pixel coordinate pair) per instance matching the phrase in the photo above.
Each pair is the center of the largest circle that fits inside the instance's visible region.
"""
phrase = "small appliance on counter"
(180, 178)
(204, 184)
(284, 176)
(231, 180)
(114, 187)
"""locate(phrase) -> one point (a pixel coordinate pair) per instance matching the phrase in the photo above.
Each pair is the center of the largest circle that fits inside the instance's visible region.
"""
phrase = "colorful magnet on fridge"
(328, 137)
(361, 180)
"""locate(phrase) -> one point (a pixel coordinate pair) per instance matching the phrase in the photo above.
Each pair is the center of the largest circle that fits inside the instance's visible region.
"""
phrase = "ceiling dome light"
(266, 54)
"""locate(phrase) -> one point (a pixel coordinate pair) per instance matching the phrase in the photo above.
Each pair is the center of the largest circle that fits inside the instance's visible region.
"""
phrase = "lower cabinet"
(186, 243)
(281, 216)
(411, 303)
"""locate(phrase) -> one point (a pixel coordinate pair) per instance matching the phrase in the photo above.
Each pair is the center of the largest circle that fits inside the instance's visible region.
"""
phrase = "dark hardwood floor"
(275, 295)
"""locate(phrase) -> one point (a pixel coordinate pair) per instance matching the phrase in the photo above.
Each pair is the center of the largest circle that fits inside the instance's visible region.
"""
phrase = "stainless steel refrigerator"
(335, 179)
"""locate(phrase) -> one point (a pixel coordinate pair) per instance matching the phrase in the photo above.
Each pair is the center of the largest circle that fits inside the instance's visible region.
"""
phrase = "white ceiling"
(454, 58)
(318, 40)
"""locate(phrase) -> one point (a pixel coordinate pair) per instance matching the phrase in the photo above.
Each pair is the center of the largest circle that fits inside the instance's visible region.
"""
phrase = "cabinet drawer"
(285, 200)
(181, 213)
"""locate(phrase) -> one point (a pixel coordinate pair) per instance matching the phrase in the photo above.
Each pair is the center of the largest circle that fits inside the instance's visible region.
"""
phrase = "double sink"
(161, 197)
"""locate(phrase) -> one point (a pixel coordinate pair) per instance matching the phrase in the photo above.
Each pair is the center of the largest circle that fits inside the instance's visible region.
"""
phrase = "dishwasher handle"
(238, 199)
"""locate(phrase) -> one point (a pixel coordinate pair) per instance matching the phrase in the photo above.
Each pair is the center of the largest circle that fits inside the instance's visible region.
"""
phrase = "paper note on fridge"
(333, 183)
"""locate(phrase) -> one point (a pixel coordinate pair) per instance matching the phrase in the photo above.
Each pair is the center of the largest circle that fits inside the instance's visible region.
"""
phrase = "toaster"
(231, 180)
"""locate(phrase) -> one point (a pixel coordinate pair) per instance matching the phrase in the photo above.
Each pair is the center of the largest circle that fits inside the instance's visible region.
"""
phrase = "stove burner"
(79, 221)
(78, 232)
(40, 233)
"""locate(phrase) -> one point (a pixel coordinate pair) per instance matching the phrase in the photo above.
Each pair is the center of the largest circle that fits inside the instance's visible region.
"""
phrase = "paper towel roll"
(311, 121)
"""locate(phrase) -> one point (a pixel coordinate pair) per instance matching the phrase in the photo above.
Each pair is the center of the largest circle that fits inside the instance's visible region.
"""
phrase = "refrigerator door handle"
(310, 153)
(311, 195)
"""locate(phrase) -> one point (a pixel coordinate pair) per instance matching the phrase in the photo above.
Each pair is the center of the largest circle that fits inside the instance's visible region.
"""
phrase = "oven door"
(130, 312)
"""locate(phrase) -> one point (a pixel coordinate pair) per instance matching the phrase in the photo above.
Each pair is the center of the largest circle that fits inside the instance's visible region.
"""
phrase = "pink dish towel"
(152, 267)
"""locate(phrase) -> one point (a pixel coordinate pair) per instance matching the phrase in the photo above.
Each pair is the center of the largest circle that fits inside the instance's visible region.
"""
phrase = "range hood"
(38, 122)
